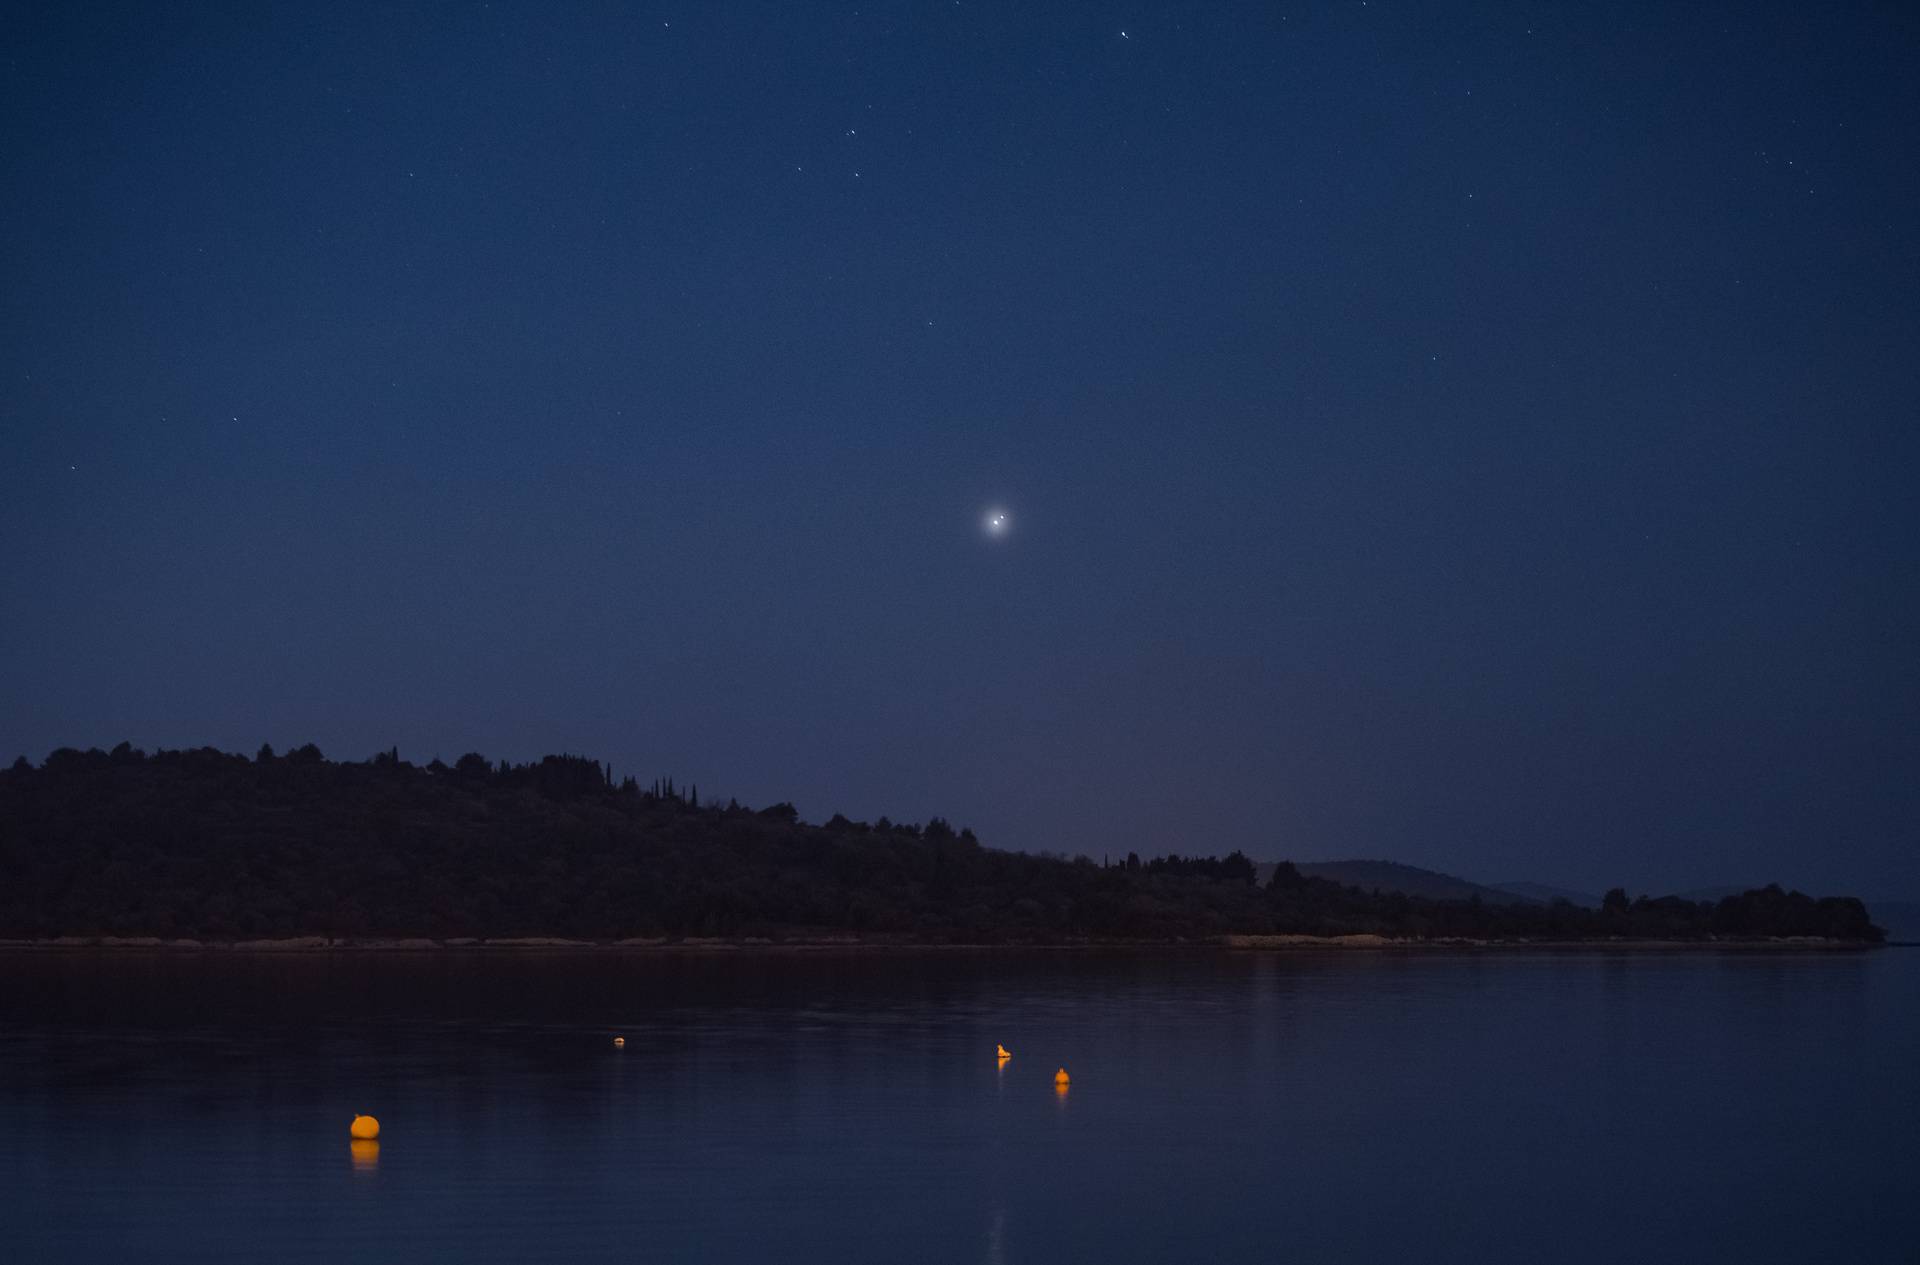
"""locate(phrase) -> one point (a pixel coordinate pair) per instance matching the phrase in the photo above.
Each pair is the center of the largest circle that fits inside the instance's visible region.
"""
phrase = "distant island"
(210, 847)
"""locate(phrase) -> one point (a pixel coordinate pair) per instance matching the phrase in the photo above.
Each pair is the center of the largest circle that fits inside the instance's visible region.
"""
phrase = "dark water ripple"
(846, 1107)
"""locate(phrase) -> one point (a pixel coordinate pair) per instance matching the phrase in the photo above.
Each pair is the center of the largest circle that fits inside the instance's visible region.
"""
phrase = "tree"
(1285, 877)
(208, 844)
(1615, 902)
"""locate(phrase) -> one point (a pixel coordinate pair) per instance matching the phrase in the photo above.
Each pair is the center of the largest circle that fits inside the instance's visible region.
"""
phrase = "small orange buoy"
(619, 1043)
(365, 1128)
(1000, 1051)
(1060, 1077)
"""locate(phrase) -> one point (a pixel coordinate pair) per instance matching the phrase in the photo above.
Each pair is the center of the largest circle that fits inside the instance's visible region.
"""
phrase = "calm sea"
(847, 1107)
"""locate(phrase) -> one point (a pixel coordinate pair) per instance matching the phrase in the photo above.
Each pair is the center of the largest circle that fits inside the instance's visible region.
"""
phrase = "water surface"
(847, 1107)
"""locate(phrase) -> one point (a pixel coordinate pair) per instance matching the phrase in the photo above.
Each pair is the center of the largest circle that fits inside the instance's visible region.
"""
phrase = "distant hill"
(1409, 880)
(1546, 894)
(207, 846)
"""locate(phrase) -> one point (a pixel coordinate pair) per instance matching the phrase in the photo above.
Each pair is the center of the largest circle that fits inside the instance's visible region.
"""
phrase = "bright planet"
(505, 655)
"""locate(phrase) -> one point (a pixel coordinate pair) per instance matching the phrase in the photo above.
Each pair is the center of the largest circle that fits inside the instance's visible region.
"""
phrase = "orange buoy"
(619, 1043)
(1000, 1051)
(365, 1128)
(1060, 1077)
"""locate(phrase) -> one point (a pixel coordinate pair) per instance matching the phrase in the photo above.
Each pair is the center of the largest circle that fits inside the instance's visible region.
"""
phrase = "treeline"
(1764, 912)
(207, 845)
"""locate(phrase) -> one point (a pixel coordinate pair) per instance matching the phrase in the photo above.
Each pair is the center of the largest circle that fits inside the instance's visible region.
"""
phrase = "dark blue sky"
(1476, 435)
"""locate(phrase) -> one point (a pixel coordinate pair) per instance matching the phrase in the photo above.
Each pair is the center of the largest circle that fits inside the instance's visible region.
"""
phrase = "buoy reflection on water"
(366, 1154)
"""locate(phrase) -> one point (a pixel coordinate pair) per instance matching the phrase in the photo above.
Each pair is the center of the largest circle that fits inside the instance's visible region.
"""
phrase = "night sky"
(1476, 435)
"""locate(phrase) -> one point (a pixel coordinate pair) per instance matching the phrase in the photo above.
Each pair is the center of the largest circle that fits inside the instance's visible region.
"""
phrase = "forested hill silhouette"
(211, 846)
